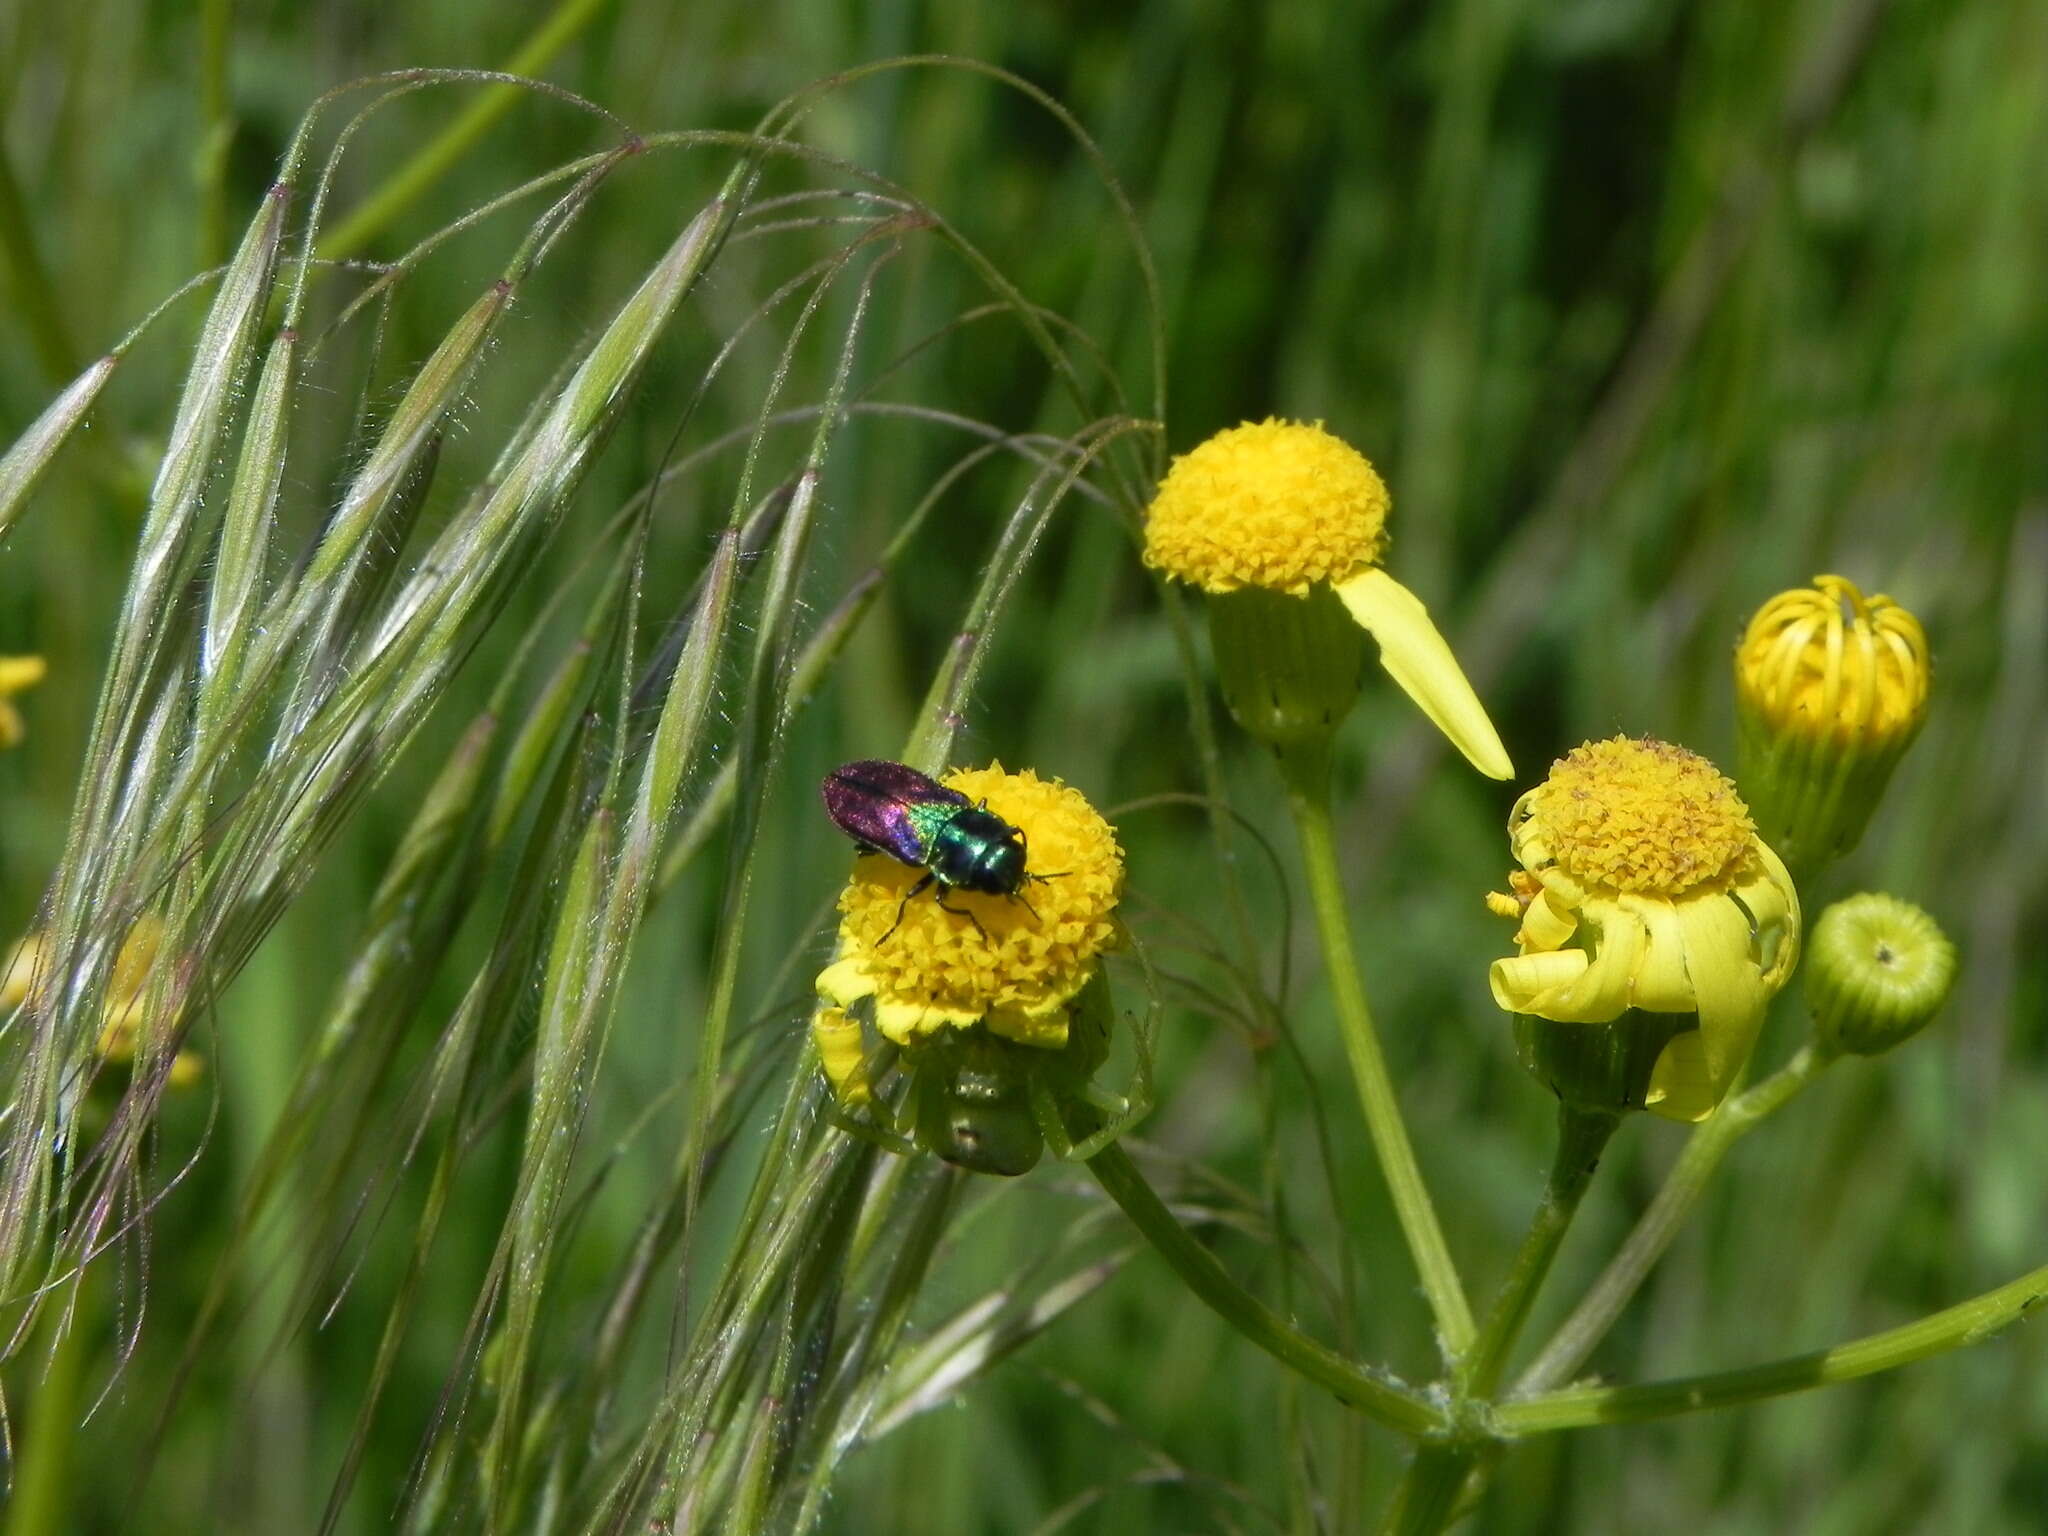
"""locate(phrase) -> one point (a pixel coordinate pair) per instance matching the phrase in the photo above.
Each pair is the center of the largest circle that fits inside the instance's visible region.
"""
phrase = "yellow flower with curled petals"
(1015, 965)
(1286, 507)
(1648, 901)
(16, 673)
(1831, 688)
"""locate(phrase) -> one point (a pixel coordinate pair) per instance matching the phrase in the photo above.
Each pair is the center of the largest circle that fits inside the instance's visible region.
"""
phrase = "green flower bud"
(1877, 969)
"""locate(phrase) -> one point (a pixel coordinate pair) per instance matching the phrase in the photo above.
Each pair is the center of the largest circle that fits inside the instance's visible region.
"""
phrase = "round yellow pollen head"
(1031, 954)
(1636, 815)
(1827, 661)
(1278, 504)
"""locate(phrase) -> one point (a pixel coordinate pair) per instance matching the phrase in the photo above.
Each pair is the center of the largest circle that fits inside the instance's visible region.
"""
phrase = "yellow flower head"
(1279, 504)
(1285, 507)
(1019, 969)
(16, 673)
(1645, 887)
(1831, 688)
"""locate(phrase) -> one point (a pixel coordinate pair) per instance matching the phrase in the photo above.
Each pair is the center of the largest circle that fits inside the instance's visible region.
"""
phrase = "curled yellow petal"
(1662, 984)
(1519, 980)
(841, 1054)
(1547, 924)
(1417, 657)
(845, 982)
(1606, 989)
(1681, 1086)
(1728, 990)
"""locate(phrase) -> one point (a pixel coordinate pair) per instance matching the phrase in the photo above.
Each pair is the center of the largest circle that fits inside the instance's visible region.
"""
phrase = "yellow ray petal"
(1681, 1087)
(1046, 1029)
(841, 1055)
(1546, 925)
(1773, 904)
(845, 981)
(1417, 658)
(1563, 890)
(905, 1022)
(1615, 942)
(1520, 979)
(1729, 991)
(19, 672)
(1662, 984)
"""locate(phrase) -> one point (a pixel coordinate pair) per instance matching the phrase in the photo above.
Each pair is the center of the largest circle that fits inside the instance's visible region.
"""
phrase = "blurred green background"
(1645, 309)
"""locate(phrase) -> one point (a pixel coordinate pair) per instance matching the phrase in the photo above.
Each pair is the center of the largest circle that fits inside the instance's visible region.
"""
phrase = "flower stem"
(1625, 1272)
(1396, 1406)
(1967, 1322)
(1582, 1136)
(1306, 768)
(1428, 1494)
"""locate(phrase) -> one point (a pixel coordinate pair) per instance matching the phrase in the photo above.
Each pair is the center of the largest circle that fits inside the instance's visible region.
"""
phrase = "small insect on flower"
(891, 808)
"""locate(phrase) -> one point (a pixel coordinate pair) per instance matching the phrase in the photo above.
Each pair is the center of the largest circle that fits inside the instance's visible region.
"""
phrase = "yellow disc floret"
(1030, 955)
(1636, 815)
(1276, 504)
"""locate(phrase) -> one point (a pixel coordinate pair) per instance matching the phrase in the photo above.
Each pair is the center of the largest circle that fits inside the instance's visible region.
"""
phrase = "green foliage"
(445, 644)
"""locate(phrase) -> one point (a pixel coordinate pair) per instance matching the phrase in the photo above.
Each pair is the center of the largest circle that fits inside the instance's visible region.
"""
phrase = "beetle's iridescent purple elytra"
(891, 808)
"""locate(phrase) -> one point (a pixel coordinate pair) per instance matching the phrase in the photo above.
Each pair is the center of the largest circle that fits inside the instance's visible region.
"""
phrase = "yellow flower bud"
(1831, 687)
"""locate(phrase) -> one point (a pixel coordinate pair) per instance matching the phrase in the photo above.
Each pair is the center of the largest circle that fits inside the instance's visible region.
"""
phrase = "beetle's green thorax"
(971, 849)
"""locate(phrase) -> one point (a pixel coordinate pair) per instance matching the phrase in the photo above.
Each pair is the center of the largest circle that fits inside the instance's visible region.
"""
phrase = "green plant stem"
(417, 176)
(1654, 1230)
(1967, 1322)
(1306, 769)
(1396, 1406)
(1429, 1492)
(1582, 1136)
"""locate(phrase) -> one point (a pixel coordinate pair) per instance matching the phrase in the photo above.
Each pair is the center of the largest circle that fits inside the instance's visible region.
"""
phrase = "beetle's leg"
(956, 911)
(929, 877)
